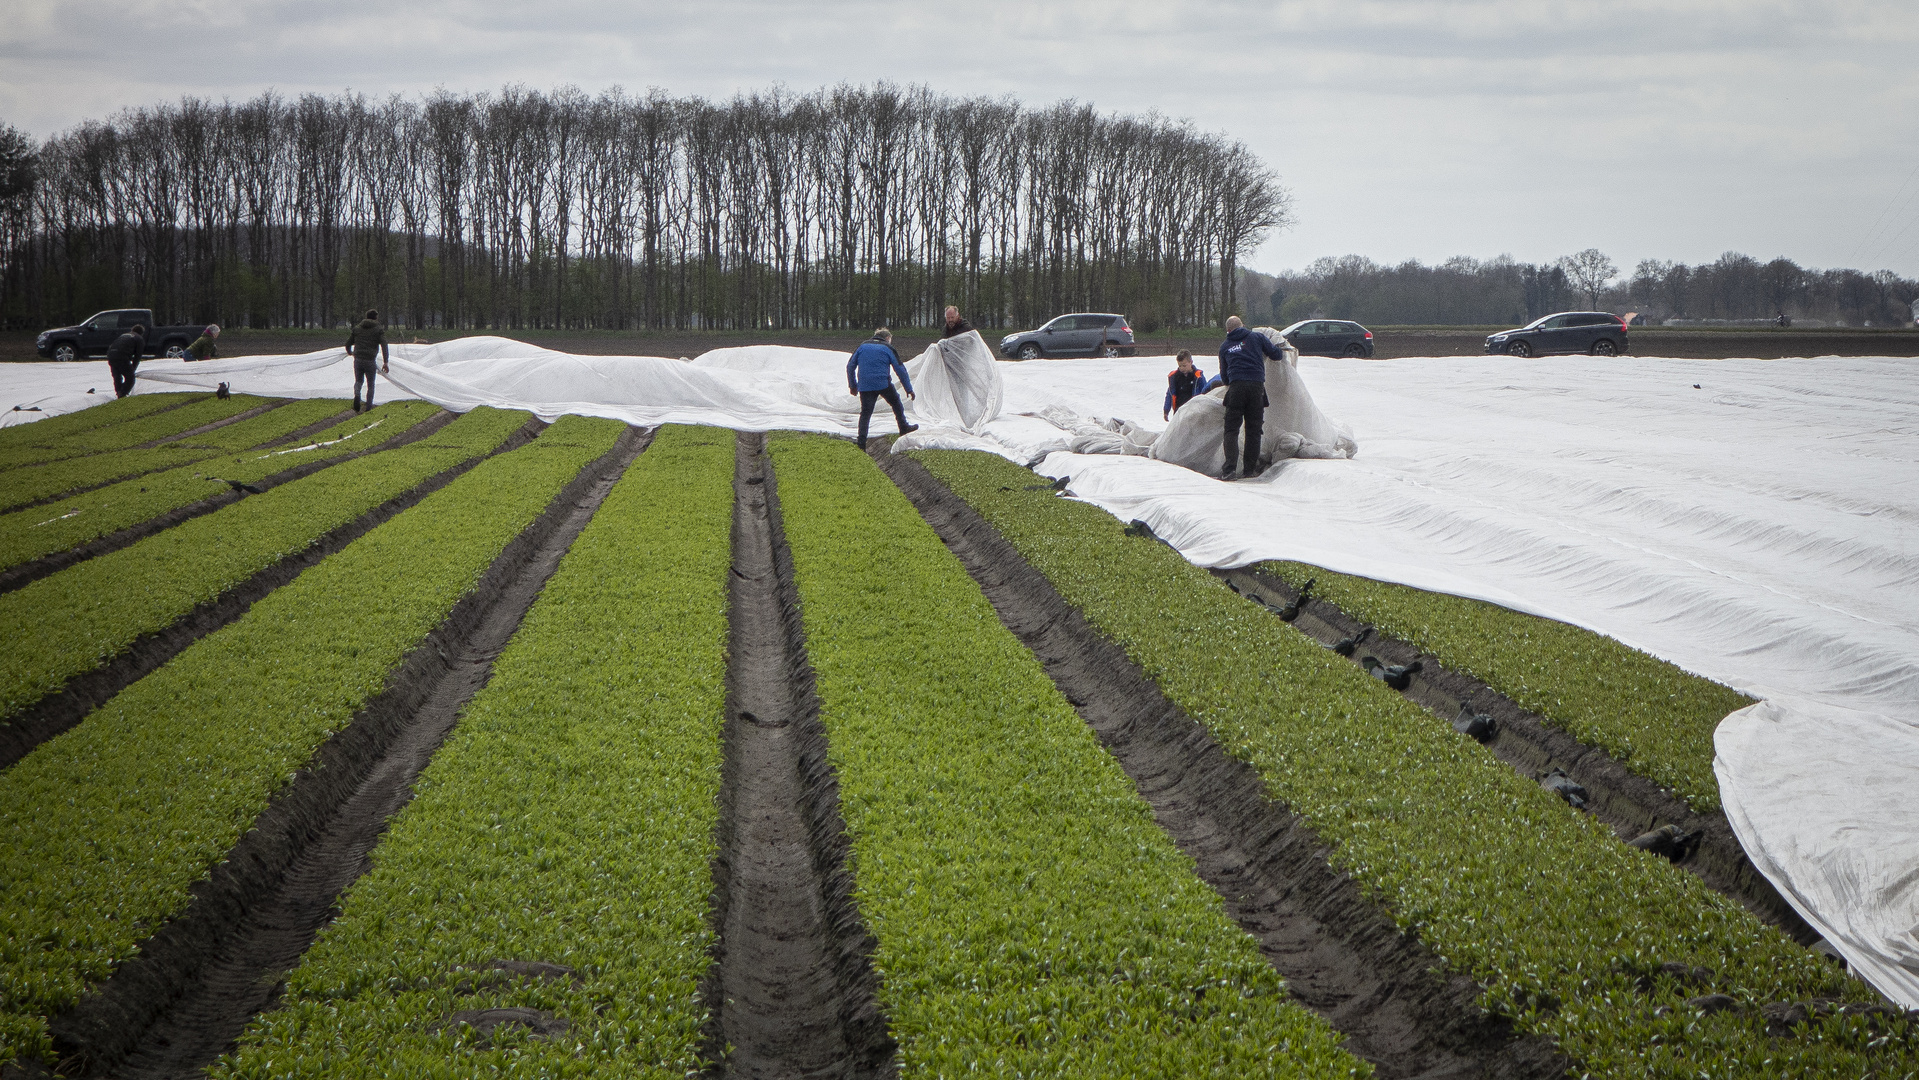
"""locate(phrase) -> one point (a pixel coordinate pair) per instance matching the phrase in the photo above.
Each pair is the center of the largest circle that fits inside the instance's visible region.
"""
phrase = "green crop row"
(569, 819)
(51, 479)
(104, 829)
(26, 535)
(130, 433)
(72, 622)
(1655, 718)
(1032, 918)
(67, 425)
(1564, 927)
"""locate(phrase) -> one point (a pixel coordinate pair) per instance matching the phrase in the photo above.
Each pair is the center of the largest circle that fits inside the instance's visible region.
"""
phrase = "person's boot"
(356, 404)
(909, 429)
(862, 442)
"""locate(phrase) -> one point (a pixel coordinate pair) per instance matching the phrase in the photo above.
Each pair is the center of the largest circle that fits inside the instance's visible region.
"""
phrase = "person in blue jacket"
(869, 373)
(1182, 383)
(1242, 363)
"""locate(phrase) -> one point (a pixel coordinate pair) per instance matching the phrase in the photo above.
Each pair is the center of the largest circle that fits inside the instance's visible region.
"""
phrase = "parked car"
(92, 337)
(1595, 332)
(1080, 334)
(1329, 337)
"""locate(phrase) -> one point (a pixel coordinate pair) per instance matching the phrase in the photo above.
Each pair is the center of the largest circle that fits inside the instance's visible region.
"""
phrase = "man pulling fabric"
(123, 358)
(869, 374)
(367, 341)
(1242, 363)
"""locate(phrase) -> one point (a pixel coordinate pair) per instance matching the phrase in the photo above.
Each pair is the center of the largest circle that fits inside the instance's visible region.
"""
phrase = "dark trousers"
(1245, 401)
(122, 376)
(892, 397)
(364, 368)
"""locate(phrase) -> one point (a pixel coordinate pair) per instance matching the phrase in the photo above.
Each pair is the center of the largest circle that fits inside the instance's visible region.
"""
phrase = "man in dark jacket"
(869, 373)
(123, 358)
(367, 340)
(1242, 363)
(955, 326)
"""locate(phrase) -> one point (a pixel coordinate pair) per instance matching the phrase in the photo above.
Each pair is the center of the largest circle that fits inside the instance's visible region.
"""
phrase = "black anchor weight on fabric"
(1565, 787)
(1480, 727)
(1668, 841)
(1350, 644)
(1397, 676)
(1291, 611)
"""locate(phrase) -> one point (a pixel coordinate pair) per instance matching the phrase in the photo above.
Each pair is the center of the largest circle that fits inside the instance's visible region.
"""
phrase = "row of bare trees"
(846, 206)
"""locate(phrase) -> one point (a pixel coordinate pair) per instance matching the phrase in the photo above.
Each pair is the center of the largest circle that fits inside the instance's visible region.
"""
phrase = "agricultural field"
(406, 744)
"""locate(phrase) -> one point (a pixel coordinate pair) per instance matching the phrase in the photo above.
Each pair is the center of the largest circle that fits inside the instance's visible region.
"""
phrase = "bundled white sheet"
(1756, 522)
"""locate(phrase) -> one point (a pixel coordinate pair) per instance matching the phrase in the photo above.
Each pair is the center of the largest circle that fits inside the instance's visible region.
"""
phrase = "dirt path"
(1631, 804)
(204, 976)
(82, 694)
(792, 980)
(1340, 955)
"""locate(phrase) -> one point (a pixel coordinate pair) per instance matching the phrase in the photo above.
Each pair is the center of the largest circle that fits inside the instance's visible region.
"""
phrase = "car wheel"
(1605, 347)
(1110, 351)
(1355, 349)
(1519, 348)
(65, 352)
(176, 350)
(1029, 351)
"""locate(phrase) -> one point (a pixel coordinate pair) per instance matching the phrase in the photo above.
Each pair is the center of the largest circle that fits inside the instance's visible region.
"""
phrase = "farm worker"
(202, 347)
(123, 358)
(367, 339)
(1242, 363)
(1181, 384)
(869, 374)
(955, 326)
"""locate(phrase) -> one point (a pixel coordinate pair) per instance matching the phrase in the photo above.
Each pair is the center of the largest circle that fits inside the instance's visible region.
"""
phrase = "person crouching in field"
(869, 374)
(367, 340)
(123, 359)
(203, 347)
(1181, 384)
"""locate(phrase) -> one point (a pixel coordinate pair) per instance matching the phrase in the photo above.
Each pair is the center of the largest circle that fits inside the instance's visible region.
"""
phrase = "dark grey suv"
(1594, 332)
(1329, 337)
(1083, 334)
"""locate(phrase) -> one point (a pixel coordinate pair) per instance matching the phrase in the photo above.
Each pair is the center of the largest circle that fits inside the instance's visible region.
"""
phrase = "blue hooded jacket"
(870, 367)
(1242, 358)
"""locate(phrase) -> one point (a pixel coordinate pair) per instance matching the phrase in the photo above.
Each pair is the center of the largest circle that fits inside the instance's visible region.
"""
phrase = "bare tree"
(1589, 271)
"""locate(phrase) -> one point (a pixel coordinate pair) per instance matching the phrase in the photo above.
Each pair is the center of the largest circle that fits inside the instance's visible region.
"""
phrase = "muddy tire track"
(792, 983)
(202, 977)
(1340, 954)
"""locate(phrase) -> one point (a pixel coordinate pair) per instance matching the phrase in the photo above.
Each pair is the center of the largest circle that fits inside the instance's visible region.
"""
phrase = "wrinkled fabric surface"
(1756, 522)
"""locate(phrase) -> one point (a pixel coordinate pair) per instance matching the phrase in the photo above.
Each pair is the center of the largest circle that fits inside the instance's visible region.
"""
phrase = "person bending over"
(869, 373)
(203, 347)
(955, 326)
(123, 358)
(367, 340)
(1181, 384)
(1242, 363)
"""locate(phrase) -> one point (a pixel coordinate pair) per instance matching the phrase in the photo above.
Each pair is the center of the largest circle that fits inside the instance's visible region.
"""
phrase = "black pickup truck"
(92, 337)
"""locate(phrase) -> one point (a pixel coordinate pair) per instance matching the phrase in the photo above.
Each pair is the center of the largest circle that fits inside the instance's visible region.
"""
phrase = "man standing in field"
(1242, 363)
(955, 326)
(123, 358)
(367, 339)
(869, 374)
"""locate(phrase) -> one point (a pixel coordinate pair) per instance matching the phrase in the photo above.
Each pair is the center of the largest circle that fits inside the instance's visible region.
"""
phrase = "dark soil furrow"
(1340, 954)
(792, 984)
(248, 414)
(1631, 804)
(28, 572)
(82, 694)
(202, 977)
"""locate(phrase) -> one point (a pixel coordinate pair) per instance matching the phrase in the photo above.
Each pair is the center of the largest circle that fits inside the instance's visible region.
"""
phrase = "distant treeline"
(844, 207)
(1471, 291)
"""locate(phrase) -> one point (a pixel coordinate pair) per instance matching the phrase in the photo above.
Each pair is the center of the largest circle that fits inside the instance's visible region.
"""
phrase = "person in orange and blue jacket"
(1182, 383)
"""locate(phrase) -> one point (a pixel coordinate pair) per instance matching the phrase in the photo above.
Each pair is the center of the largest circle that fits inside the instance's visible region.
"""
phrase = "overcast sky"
(1674, 129)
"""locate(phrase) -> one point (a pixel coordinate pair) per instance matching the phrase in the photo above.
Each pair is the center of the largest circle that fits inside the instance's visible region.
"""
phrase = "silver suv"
(1082, 334)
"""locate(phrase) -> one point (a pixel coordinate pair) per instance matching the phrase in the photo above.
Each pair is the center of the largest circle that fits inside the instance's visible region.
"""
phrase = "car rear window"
(1094, 322)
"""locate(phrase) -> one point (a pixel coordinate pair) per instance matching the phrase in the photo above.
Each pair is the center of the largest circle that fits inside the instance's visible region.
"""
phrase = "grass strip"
(568, 819)
(73, 621)
(1032, 918)
(104, 829)
(1564, 926)
(132, 433)
(67, 425)
(1653, 717)
(29, 534)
